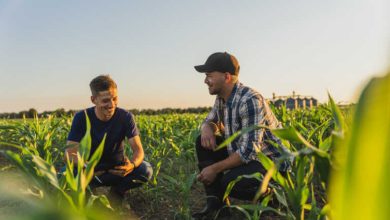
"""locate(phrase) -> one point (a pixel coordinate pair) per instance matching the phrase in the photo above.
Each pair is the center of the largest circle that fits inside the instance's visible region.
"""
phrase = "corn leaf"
(86, 141)
(360, 188)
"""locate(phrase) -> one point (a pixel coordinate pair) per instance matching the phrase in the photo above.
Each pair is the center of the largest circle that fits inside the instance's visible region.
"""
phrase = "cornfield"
(338, 166)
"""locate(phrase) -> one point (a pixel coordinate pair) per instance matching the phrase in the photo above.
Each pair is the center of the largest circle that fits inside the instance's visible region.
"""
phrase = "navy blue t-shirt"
(121, 125)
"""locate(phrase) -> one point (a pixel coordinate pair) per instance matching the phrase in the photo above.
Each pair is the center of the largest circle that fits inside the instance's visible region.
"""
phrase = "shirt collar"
(232, 95)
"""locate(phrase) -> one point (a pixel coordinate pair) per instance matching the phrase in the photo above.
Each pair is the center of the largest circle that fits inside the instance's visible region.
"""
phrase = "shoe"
(224, 213)
(211, 208)
(206, 211)
(116, 199)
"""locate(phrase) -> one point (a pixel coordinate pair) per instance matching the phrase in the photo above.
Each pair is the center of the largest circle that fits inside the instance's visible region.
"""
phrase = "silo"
(308, 102)
(301, 102)
(291, 103)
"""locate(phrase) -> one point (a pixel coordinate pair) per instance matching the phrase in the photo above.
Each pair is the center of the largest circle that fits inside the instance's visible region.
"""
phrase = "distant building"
(345, 105)
(294, 101)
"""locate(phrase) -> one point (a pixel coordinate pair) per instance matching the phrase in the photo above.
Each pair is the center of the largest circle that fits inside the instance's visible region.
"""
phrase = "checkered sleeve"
(251, 113)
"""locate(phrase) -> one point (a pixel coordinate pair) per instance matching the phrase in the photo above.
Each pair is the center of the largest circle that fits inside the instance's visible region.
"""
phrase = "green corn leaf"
(170, 179)
(48, 171)
(281, 197)
(326, 210)
(258, 208)
(314, 211)
(86, 141)
(360, 187)
(337, 116)
(5, 144)
(236, 135)
(94, 160)
(232, 183)
(292, 135)
(326, 144)
(156, 173)
(69, 175)
(16, 159)
(70, 180)
(190, 181)
(323, 169)
(102, 199)
(242, 210)
(320, 127)
(230, 187)
(305, 193)
(80, 167)
(268, 164)
(81, 186)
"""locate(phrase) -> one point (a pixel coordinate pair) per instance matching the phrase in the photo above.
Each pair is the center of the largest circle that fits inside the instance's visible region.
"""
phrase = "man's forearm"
(137, 157)
(232, 161)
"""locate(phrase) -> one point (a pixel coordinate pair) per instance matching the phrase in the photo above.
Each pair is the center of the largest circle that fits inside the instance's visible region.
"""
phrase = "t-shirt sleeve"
(131, 126)
(77, 129)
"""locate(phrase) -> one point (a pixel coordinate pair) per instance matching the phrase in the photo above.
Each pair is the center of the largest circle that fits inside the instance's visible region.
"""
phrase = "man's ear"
(228, 77)
(93, 99)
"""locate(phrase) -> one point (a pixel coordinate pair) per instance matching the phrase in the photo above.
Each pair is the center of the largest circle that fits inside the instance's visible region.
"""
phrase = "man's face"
(215, 81)
(106, 102)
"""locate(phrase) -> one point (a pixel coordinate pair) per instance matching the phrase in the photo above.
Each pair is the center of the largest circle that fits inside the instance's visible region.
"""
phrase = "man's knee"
(146, 171)
(244, 189)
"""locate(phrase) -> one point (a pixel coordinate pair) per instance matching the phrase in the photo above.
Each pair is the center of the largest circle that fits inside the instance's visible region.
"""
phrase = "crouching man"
(114, 168)
(236, 107)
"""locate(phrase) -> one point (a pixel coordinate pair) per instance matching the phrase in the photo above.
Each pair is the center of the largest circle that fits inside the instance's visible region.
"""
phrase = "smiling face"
(106, 103)
(215, 82)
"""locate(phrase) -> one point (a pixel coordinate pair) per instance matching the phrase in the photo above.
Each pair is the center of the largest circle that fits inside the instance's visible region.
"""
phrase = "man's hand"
(123, 170)
(207, 176)
(72, 154)
(208, 135)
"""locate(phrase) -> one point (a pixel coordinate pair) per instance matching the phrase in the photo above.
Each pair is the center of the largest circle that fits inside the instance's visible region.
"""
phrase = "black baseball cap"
(221, 62)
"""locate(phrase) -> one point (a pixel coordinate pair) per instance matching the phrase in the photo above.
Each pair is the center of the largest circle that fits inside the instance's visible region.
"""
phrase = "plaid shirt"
(244, 108)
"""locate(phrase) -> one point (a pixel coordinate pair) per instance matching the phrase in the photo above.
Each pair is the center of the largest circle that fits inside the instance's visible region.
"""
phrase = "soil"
(135, 206)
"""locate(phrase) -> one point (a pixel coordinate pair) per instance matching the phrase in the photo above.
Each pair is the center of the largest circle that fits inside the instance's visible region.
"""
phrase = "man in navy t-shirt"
(114, 168)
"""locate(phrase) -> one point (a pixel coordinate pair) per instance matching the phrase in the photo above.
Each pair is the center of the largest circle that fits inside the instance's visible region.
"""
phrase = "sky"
(51, 50)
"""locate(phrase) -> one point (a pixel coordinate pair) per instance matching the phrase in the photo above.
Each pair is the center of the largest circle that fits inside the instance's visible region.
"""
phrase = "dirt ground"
(135, 207)
(197, 201)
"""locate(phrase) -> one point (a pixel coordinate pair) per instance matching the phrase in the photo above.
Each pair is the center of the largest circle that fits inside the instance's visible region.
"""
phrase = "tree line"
(31, 113)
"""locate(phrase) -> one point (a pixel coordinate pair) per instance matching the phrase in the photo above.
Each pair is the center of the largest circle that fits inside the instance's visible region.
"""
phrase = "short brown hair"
(101, 83)
(234, 78)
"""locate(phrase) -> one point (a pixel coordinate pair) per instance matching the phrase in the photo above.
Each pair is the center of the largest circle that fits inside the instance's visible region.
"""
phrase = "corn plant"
(256, 209)
(67, 192)
(43, 137)
(168, 141)
(301, 191)
(311, 136)
(182, 187)
(360, 183)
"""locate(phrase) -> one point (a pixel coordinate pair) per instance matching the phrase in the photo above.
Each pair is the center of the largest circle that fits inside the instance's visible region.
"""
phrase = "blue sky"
(50, 50)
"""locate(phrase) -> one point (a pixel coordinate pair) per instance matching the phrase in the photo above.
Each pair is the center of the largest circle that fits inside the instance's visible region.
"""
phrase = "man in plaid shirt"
(236, 107)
